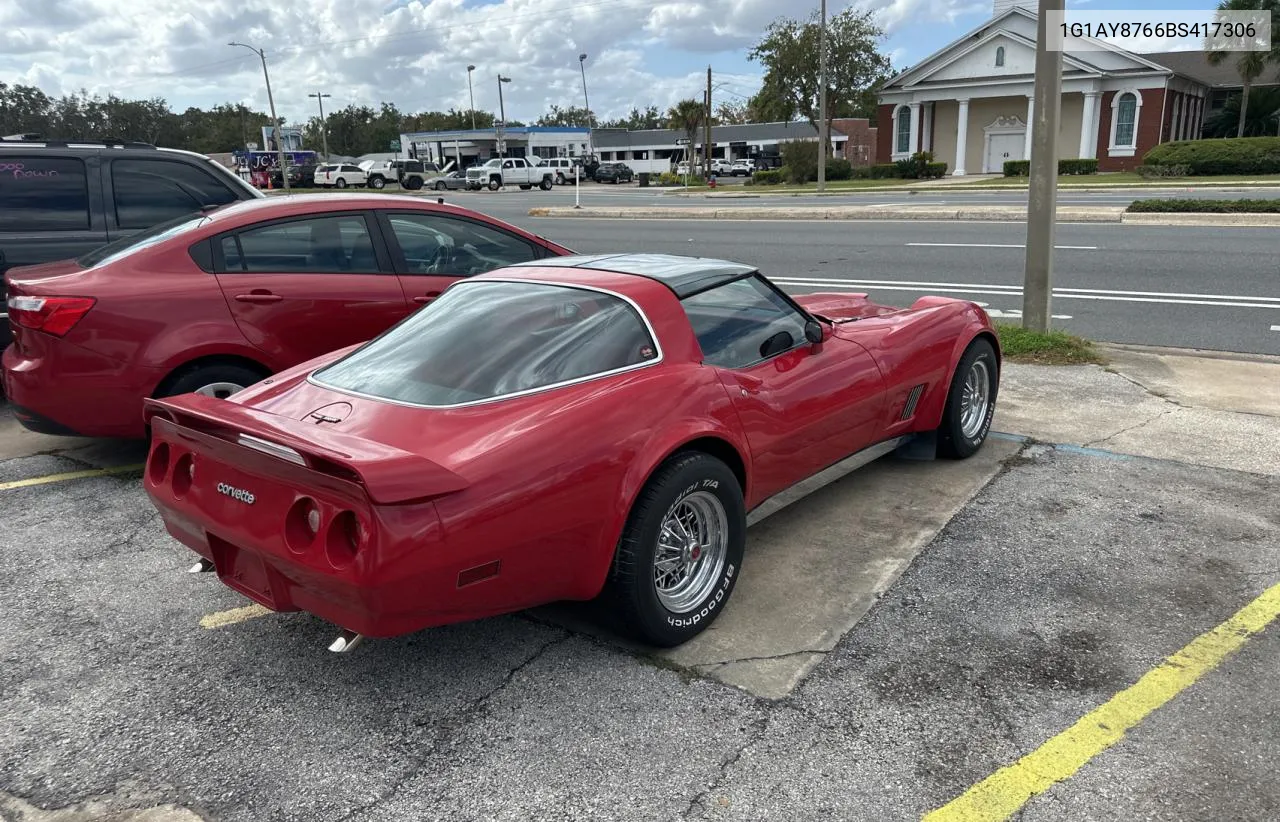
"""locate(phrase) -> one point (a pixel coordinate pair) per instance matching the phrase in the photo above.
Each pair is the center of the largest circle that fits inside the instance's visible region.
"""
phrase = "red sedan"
(557, 429)
(214, 302)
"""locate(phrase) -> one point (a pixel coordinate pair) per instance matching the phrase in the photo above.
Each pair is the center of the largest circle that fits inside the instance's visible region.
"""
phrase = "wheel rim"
(975, 400)
(219, 390)
(693, 543)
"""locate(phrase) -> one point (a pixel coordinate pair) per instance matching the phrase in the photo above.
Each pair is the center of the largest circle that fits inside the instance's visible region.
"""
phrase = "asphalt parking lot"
(986, 639)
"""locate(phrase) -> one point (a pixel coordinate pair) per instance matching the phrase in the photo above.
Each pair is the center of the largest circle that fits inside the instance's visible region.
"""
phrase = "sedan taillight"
(52, 315)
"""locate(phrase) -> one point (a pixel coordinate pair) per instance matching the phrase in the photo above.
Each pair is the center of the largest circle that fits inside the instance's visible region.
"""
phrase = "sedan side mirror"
(813, 331)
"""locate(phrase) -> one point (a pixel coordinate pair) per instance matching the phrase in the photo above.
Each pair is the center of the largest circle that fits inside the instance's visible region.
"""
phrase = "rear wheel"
(971, 402)
(414, 183)
(341, 183)
(560, 180)
(525, 187)
(546, 184)
(219, 380)
(680, 552)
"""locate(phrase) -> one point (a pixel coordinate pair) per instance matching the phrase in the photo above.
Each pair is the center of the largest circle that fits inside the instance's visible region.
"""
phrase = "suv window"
(152, 191)
(737, 323)
(351, 168)
(436, 244)
(43, 193)
(320, 245)
(448, 353)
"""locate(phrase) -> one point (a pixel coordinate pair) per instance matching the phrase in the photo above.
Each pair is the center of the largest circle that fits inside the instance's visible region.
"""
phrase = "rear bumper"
(61, 388)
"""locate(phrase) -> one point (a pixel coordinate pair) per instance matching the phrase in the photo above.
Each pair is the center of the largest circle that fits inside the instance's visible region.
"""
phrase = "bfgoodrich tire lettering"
(664, 615)
(963, 431)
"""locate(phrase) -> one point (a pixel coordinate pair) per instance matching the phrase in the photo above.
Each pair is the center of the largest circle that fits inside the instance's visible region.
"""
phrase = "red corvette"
(555, 430)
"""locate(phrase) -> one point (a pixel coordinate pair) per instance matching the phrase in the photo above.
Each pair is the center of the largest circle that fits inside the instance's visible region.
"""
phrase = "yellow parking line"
(224, 618)
(1000, 795)
(70, 475)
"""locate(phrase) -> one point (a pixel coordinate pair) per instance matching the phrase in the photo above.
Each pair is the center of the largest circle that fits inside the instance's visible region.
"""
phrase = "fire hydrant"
(712, 181)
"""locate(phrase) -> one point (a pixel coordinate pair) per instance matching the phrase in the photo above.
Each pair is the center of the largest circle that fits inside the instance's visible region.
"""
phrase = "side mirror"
(813, 331)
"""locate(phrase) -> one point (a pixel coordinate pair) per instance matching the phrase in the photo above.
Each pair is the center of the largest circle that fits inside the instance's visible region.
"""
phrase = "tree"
(1249, 64)
(733, 113)
(855, 68)
(1262, 115)
(687, 116)
(571, 116)
(650, 118)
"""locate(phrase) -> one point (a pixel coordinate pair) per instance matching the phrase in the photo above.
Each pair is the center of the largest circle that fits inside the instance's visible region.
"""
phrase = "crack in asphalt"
(758, 730)
(1135, 426)
(450, 727)
(722, 663)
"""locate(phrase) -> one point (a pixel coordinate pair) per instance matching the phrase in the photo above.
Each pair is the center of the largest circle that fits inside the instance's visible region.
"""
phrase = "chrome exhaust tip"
(201, 567)
(346, 641)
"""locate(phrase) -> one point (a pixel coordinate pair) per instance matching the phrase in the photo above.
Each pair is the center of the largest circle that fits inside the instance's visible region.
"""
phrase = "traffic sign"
(395, 145)
(683, 141)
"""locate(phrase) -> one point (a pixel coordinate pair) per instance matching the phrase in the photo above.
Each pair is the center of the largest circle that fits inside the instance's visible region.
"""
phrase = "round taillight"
(158, 463)
(345, 538)
(184, 473)
(302, 524)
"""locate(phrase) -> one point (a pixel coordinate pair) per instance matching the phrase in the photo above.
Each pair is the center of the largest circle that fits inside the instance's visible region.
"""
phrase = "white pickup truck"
(510, 171)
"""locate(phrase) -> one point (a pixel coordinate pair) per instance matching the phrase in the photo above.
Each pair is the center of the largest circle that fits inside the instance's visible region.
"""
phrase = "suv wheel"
(341, 182)
(377, 182)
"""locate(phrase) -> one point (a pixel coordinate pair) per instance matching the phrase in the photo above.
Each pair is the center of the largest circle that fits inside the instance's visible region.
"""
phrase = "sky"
(414, 53)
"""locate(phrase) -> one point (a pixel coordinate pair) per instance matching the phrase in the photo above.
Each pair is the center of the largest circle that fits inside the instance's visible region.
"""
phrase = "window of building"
(1124, 128)
(902, 130)
(1000, 56)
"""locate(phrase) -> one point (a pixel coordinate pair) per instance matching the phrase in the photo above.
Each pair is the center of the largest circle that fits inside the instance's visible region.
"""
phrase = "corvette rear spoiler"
(388, 474)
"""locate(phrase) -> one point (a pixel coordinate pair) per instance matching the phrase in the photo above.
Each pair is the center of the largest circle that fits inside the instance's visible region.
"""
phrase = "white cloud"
(413, 53)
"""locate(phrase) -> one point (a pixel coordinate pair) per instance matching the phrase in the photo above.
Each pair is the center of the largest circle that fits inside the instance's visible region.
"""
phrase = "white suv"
(341, 176)
(564, 168)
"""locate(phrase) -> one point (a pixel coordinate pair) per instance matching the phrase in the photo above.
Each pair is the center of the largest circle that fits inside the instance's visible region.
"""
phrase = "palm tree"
(687, 116)
(1249, 64)
(1263, 114)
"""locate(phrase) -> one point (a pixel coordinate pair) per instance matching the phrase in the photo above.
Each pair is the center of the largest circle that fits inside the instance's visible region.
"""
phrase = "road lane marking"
(1003, 794)
(1275, 328)
(70, 475)
(997, 245)
(224, 618)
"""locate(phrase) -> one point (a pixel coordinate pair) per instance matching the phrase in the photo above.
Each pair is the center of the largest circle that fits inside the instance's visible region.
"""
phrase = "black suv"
(59, 199)
(613, 173)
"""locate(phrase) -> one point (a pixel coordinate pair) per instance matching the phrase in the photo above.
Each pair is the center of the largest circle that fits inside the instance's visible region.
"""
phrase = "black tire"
(213, 374)
(494, 183)
(377, 183)
(440, 186)
(953, 441)
(341, 183)
(560, 180)
(546, 184)
(525, 188)
(631, 590)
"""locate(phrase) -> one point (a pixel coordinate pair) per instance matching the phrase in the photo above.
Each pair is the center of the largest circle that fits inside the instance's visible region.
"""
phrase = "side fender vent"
(913, 399)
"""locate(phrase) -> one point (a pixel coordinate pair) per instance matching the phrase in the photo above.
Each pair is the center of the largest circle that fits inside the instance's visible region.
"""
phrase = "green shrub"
(1206, 206)
(1163, 171)
(1240, 155)
(882, 171)
(800, 158)
(772, 177)
(1017, 168)
(917, 166)
(933, 171)
(1082, 166)
(669, 178)
(839, 168)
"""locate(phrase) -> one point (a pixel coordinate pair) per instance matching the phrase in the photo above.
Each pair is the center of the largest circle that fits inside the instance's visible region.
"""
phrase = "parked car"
(217, 301)
(342, 175)
(408, 172)
(554, 430)
(453, 181)
(303, 176)
(500, 172)
(565, 169)
(721, 168)
(742, 168)
(614, 173)
(60, 199)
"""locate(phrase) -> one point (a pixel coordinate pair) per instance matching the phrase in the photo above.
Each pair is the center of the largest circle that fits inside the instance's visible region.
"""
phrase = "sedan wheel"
(971, 402)
(219, 390)
(218, 380)
(440, 186)
(681, 551)
(341, 183)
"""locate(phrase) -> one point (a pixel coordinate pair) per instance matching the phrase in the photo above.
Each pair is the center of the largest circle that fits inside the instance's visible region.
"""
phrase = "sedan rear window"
(485, 340)
(142, 239)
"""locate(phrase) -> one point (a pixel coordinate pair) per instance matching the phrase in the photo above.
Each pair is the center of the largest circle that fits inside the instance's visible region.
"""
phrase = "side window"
(321, 245)
(435, 244)
(152, 191)
(743, 322)
(43, 193)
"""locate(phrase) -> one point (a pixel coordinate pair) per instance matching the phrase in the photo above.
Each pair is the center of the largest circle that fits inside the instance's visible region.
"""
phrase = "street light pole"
(324, 128)
(472, 94)
(582, 64)
(275, 122)
(1042, 197)
(822, 100)
(502, 121)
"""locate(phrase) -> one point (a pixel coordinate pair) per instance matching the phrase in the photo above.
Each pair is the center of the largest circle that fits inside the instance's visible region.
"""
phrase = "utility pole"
(591, 125)
(502, 123)
(472, 94)
(275, 122)
(706, 143)
(324, 127)
(823, 139)
(1042, 202)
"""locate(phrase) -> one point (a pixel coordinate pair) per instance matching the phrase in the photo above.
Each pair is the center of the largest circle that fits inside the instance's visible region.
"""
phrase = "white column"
(926, 128)
(1088, 143)
(962, 137)
(914, 145)
(1031, 111)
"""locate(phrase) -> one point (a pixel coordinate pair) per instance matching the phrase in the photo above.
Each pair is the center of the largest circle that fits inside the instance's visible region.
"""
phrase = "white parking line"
(1221, 300)
(998, 245)
(1275, 328)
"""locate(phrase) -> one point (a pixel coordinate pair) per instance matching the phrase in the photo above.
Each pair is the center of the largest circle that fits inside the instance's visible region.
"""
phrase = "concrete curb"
(1014, 214)
(961, 188)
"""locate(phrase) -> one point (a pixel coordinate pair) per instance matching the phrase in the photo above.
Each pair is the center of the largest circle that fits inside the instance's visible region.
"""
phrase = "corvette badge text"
(238, 494)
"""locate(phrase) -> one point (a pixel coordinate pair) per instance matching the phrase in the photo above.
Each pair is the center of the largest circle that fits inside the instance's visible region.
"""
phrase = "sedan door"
(302, 287)
(429, 251)
(803, 407)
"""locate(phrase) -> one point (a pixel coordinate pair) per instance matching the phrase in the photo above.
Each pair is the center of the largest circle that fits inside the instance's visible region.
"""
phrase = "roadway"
(1211, 288)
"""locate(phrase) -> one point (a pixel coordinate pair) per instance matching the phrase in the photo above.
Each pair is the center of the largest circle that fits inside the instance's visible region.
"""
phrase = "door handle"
(749, 385)
(426, 298)
(259, 297)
